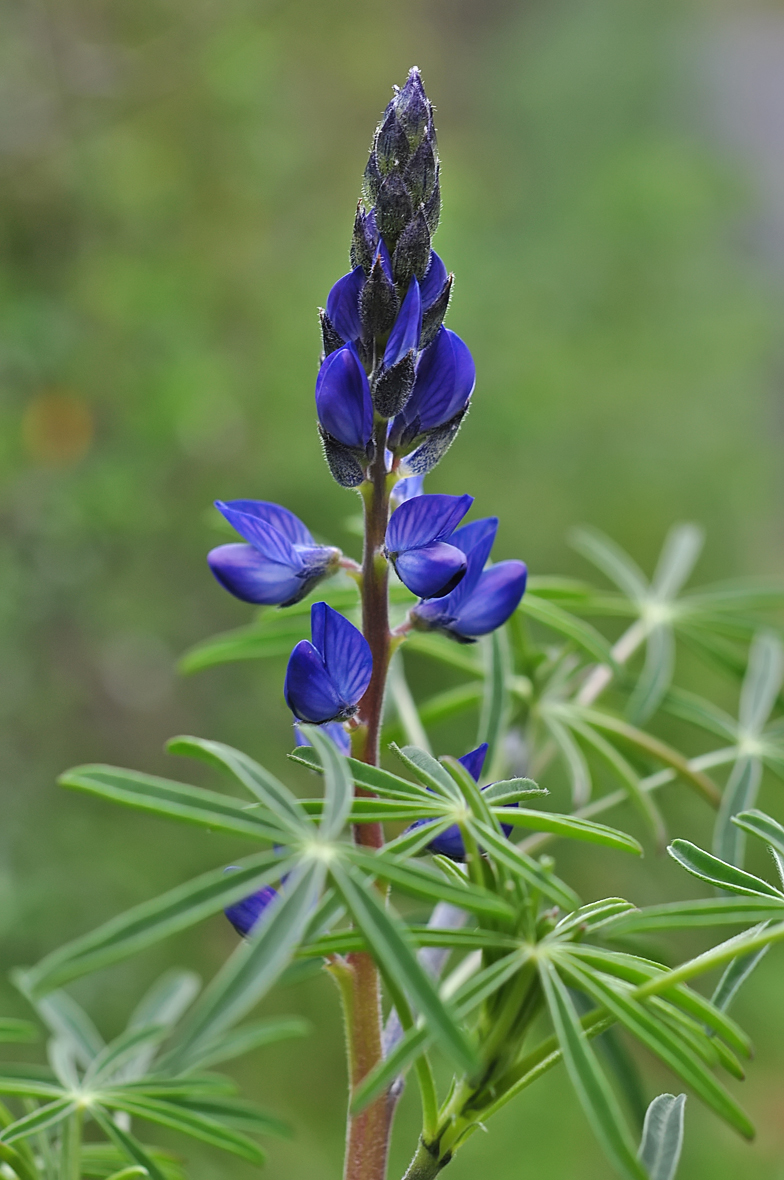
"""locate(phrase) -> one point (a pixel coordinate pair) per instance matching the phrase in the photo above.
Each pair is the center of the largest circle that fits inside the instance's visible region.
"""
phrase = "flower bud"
(327, 678)
(412, 253)
(394, 208)
(379, 301)
(331, 341)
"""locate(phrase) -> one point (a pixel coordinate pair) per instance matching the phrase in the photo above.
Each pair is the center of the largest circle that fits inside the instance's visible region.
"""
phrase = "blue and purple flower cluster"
(392, 390)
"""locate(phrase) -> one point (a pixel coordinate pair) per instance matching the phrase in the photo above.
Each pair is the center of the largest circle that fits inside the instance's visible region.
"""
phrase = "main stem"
(368, 1133)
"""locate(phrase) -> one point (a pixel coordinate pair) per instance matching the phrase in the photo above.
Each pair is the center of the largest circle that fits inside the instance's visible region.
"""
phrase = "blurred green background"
(178, 184)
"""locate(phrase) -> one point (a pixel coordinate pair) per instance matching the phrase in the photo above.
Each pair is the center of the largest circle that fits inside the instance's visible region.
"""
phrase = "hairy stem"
(424, 1165)
(367, 1135)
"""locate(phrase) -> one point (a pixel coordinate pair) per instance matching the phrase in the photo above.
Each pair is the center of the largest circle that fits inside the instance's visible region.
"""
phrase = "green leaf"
(39, 1120)
(161, 796)
(762, 682)
(712, 911)
(197, 1125)
(614, 563)
(757, 823)
(264, 787)
(495, 702)
(405, 705)
(414, 840)
(717, 956)
(669, 1047)
(154, 920)
(245, 1039)
(21, 1167)
(525, 867)
(127, 1144)
(735, 975)
(682, 547)
(573, 758)
(416, 1040)
(66, 1019)
(369, 810)
(102, 1160)
(693, 708)
(436, 647)
(338, 785)
(370, 778)
(13, 1030)
(569, 826)
(593, 1090)
(656, 675)
(167, 999)
(581, 633)
(740, 794)
(121, 1051)
(237, 1113)
(662, 1136)
(429, 772)
(244, 643)
(389, 945)
(129, 1173)
(343, 942)
(593, 915)
(420, 881)
(511, 790)
(253, 968)
(25, 1086)
(447, 704)
(717, 872)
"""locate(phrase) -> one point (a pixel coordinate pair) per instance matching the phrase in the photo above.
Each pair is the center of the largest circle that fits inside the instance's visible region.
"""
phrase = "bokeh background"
(177, 181)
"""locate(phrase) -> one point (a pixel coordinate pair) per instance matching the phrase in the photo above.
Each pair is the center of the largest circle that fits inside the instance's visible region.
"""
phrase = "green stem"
(424, 1165)
(368, 1133)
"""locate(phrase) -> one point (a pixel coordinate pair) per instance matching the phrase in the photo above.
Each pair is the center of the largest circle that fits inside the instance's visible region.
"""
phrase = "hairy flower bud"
(378, 303)
(412, 253)
(331, 341)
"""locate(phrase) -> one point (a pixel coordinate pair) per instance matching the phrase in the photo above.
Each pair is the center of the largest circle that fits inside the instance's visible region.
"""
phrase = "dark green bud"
(433, 205)
(433, 318)
(344, 464)
(394, 208)
(392, 388)
(420, 173)
(392, 150)
(378, 303)
(330, 339)
(412, 253)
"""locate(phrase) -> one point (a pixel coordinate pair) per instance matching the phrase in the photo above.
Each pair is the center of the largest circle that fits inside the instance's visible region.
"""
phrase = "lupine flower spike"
(484, 599)
(281, 563)
(327, 678)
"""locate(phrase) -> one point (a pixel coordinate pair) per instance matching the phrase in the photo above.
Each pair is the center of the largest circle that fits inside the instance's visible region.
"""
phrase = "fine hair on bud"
(412, 253)
(378, 303)
(344, 465)
(433, 318)
(330, 339)
(392, 388)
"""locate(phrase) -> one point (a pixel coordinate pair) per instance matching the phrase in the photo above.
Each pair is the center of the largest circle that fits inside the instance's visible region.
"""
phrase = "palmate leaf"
(66, 1019)
(590, 1084)
(178, 801)
(370, 778)
(17, 1031)
(662, 1136)
(154, 920)
(656, 675)
(614, 563)
(429, 771)
(122, 1050)
(21, 1167)
(343, 942)
(670, 1048)
(573, 758)
(757, 823)
(39, 1120)
(391, 950)
(338, 784)
(253, 968)
(420, 881)
(740, 794)
(255, 778)
(735, 975)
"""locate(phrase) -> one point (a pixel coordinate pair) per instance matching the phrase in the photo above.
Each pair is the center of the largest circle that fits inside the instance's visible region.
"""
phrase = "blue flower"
(333, 729)
(445, 380)
(343, 299)
(343, 402)
(406, 489)
(280, 565)
(450, 843)
(327, 678)
(244, 914)
(417, 543)
(484, 599)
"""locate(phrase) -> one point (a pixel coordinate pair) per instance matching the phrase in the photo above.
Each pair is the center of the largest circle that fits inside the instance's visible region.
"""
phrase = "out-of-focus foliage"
(175, 179)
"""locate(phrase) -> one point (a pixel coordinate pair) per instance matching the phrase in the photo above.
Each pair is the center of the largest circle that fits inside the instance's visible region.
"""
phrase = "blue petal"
(432, 570)
(407, 327)
(246, 574)
(474, 761)
(273, 514)
(450, 844)
(406, 489)
(333, 729)
(425, 519)
(244, 914)
(383, 253)
(271, 543)
(343, 304)
(345, 652)
(496, 596)
(433, 282)
(476, 541)
(308, 689)
(445, 400)
(343, 399)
